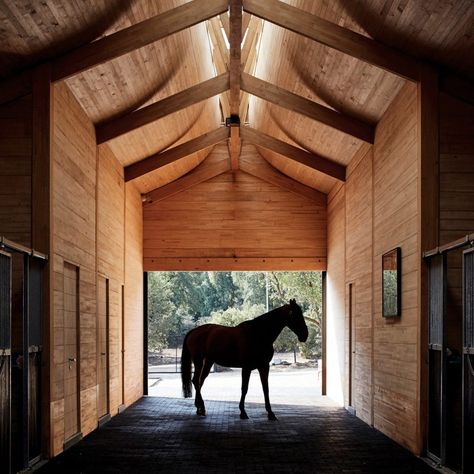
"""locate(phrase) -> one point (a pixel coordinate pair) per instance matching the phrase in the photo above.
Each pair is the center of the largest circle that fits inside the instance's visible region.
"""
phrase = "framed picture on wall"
(391, 283)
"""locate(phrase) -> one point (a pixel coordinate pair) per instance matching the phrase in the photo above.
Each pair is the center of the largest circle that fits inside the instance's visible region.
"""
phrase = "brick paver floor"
(163, 435)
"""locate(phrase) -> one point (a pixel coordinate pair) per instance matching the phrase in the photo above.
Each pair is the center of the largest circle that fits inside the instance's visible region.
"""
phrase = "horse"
(248, 346)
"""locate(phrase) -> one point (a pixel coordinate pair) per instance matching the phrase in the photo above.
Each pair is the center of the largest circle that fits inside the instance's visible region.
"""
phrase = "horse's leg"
(245, 386)
(198, 401)
(206, 368)
(201, 371)
(263, 371)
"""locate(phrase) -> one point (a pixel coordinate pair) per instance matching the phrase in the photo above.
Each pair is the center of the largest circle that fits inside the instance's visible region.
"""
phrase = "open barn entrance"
(180, 301)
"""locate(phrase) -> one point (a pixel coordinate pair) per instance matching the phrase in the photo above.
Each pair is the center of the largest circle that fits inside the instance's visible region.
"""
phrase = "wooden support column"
(235, 39)
(428, 221)
(41, 225)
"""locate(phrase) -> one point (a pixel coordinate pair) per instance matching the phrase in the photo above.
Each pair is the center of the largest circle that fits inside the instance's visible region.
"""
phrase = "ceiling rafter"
(214, 165)
(294, 153)
(335, 36)
(160, 109)
(279, 96)
(136, 36)
(176, 153)
(255, 165)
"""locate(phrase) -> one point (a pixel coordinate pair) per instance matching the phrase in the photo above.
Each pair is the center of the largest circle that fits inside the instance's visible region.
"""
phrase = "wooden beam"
(335, 36)
(171, 155)
(189, 264)
(215, 164)
(356, 128)
(234, 147)
(235, 40)
(252, 163)
(160, 109)
(235, 21)
(315, 162)
(136, 36)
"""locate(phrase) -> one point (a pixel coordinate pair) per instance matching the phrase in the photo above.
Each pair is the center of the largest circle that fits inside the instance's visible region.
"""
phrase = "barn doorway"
(180, 301)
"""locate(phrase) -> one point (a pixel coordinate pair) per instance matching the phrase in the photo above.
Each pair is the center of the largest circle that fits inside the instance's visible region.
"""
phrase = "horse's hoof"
(272, 417)
(244, 416)
(201, 412)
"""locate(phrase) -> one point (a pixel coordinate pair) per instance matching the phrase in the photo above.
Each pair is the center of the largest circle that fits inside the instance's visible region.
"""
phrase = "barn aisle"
(163, 435)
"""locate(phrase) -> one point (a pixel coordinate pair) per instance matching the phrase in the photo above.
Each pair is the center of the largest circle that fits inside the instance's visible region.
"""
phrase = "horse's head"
(296, 321)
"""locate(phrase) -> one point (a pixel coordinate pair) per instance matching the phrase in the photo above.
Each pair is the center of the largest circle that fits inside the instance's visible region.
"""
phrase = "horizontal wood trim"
(215, 164)
(160, 109)
(335, 36)
(310, 160)
(283, 98)
(136, 36)
(260, 168)
(171, 155)
(235, 264)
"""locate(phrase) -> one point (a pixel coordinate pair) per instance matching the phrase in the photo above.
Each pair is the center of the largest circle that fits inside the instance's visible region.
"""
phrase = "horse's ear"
(292, 302)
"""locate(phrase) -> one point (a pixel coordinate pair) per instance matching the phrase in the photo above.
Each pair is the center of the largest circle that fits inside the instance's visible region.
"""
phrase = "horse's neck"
(271, 324)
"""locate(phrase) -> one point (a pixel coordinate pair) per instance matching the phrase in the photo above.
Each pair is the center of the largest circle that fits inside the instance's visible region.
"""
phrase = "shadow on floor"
(163, 435)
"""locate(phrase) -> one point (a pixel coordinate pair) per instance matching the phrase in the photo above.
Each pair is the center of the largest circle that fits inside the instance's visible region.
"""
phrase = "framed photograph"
(391, 283)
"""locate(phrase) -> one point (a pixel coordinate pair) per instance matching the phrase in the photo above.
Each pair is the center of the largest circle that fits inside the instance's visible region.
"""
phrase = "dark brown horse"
(248, 345)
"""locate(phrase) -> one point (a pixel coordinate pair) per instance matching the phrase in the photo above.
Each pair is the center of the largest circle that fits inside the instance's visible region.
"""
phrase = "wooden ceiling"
(145, 53)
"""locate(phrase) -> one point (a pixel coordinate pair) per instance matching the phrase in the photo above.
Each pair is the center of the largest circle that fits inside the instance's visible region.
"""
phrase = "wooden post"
(41, 224)
(235, 39)
(428, 222)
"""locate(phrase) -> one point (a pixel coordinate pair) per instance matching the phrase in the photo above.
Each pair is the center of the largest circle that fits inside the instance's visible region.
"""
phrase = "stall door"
(5, 358)
(468, 362)
(71, 351)
(437, 359)
(103, 339)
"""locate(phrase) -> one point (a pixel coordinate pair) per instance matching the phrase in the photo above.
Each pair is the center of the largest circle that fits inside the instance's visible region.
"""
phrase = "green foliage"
(178, 301)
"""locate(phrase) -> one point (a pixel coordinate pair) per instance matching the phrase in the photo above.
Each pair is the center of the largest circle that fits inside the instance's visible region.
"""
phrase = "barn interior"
(143, 136)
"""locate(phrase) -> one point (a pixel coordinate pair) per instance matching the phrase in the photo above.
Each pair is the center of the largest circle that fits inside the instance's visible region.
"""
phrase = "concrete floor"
(163, 435)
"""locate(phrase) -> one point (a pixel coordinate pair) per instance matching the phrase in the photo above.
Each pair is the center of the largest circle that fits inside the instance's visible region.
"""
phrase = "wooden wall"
(235, 221)
(15, 170)
(375, 211)
(74, 243)
(90, 219)
(133, 343)
(335, 332)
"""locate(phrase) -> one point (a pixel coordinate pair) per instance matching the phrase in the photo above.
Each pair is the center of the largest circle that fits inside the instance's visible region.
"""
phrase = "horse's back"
(227, 346)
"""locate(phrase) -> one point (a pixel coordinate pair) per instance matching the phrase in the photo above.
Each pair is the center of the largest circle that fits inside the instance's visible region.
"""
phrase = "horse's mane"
(263, 318)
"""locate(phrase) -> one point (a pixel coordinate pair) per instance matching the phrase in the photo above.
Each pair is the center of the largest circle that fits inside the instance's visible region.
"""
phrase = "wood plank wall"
(335, 332)
(133, 344)
(110, 258)
(359, 207)
(90, 221)
(74, 242)
(15, 170)
(235, 221)
(375, 211)
(395, 224)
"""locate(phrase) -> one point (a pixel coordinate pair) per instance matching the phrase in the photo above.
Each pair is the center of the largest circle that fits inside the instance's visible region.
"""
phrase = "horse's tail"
(186, 369)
